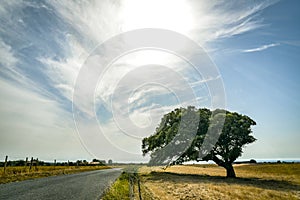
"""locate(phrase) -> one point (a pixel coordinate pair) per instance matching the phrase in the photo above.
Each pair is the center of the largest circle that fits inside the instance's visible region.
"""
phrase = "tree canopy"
(187, 134)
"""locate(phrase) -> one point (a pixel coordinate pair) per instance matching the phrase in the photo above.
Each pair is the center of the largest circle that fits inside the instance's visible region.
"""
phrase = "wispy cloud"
(261, 48)
(224, 19)
(34, 125)
(63, 72)
(46, 44)
(8, 63)
(291, 42)
(98, 21)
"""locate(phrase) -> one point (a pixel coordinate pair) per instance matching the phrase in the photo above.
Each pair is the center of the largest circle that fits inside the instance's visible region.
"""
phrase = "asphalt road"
(86, 185)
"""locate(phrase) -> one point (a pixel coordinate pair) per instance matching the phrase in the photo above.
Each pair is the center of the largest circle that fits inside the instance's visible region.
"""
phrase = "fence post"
(31, 162)
(54, 163)
(131, 186)
(139, 187)
(25, 165)
(36, 164)
(26, 161)
(5, 163)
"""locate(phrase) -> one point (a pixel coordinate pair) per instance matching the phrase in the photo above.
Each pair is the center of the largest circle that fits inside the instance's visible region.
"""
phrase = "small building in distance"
(94, 163)
(110, 162)
(97, 162)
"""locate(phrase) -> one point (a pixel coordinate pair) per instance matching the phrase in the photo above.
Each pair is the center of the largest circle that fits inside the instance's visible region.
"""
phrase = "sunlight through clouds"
(44, 44)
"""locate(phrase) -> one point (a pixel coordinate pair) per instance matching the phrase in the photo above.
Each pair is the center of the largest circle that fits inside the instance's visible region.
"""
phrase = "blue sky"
(44, 44)
(264, 83)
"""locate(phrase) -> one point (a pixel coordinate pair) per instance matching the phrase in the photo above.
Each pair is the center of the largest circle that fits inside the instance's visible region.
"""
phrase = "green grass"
(119, 190)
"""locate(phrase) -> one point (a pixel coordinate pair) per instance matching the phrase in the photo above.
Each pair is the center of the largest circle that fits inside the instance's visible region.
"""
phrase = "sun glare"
(172, 15)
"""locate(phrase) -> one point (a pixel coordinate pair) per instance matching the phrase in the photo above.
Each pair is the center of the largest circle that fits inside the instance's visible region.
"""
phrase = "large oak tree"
(183, 132)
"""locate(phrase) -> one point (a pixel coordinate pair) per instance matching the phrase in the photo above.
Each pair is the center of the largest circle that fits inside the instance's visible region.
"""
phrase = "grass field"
(257, 181)
(13, 174)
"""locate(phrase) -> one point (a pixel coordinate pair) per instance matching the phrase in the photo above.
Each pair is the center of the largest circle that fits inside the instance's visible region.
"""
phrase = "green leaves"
(181, 134)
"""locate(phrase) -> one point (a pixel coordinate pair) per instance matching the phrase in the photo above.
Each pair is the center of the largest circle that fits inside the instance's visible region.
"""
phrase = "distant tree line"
(95, 162)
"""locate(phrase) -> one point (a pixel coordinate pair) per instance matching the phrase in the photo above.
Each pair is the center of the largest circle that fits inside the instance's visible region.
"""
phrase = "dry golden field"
(13, 174)
(255, 181)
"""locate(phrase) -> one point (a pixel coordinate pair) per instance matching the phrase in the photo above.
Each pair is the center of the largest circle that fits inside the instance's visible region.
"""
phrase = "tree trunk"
(227, 165)
(230, 171)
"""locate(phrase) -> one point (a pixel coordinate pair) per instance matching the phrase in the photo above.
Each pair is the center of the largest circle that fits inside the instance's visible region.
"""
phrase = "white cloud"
(204, 21)
(63, 73)
(127, 137)
(32, 125)
(8, 63)
(200, 82)
(261, 48)
(97, 21)
(12, 73)
(131, 63)
(91, 23)
(7, 60)
(223, 19)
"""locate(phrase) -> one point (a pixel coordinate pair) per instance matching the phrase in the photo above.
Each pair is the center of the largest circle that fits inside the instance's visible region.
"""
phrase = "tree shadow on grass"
(254, 182)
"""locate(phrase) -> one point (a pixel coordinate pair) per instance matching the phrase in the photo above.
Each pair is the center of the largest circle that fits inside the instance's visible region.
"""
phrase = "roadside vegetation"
(127, 186)
(120, 189)
(206, 182)
(20, 173)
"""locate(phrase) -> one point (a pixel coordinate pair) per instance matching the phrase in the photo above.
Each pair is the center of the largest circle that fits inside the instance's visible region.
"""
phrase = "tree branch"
(217, 161)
